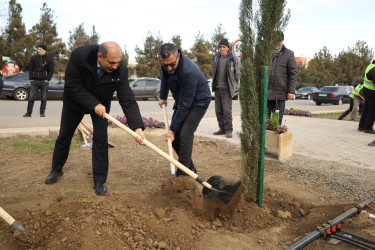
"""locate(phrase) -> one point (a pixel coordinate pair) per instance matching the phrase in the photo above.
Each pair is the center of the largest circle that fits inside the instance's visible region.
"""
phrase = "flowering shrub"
(298, 112)
(149, 123)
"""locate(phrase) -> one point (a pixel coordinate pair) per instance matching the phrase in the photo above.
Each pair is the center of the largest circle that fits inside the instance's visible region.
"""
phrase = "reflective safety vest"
(367, 83)
(356, 91)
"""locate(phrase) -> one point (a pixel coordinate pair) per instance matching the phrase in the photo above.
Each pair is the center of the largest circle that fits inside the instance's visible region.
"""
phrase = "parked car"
(332, 94)
(18, 87)
(305, 92)
(1, 84)
(146, 88)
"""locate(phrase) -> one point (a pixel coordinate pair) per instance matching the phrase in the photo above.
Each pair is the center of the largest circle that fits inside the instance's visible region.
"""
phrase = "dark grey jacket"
(233, 71)
(283, 75)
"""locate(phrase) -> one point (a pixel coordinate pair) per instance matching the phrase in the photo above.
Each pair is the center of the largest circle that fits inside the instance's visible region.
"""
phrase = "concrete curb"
(32, 132)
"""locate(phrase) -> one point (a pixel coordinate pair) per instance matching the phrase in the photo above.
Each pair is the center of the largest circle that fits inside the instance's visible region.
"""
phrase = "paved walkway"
(312, 137)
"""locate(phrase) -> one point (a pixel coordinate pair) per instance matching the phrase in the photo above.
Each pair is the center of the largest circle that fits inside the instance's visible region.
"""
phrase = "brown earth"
(146, 208)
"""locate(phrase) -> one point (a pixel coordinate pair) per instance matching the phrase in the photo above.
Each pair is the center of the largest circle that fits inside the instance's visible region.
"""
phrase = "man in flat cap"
(40, 73)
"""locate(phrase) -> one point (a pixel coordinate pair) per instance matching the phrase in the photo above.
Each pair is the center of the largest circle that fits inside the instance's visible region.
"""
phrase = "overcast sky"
(336, 24)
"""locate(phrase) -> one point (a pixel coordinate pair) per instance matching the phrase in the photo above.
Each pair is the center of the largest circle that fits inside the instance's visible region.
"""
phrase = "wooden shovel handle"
(170, 148)
(157, 150)
(9, 219)
(88, 126)
(84, 135)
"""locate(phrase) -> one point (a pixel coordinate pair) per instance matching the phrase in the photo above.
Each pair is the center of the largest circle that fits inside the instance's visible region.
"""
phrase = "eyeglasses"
(165, 66)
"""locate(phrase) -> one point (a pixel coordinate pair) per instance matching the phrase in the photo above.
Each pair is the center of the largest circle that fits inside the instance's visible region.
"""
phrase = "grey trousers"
(356, 101)
(223, 109)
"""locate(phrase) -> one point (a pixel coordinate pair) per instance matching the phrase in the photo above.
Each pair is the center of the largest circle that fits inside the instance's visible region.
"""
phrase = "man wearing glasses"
(92, 75)
(192, 95)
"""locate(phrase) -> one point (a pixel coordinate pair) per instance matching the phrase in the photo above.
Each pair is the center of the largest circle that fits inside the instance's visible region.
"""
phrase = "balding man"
(93, 74)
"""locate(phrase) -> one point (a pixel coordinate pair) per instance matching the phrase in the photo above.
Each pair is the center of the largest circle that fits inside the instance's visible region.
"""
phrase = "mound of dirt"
(146, 208)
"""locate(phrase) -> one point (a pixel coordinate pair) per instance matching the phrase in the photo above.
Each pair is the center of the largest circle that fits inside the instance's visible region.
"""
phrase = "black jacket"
(83, 90)
(41, 67)
(283, 75)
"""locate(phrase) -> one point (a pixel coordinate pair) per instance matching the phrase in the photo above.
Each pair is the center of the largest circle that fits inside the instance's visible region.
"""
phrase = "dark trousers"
(223, 109)
(368, 114)
(348, 111)
(273, 105)
(69, 122)
(37, 86)
(184, 137)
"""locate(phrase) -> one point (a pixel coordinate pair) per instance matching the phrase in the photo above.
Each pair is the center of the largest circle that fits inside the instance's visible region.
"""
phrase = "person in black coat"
(92, 75)
(40, 73)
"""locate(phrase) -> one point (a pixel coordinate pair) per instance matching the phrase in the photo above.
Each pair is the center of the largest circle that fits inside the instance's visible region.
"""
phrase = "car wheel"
(157, 95)
(21, 94)
(318, 103)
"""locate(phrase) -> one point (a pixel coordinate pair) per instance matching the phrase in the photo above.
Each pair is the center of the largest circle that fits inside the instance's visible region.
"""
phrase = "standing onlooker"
(368, 116)
(283, 78)
(226, 76)
(192, 95)
(40, 73)
(93, 74)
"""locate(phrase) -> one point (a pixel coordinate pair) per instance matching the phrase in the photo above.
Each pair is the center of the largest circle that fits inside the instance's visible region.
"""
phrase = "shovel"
(10, 220)
(170, 148)
(219, 190)
(86, 146)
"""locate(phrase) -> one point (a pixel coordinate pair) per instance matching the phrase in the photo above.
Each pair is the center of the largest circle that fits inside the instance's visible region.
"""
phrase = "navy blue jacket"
(189, 88)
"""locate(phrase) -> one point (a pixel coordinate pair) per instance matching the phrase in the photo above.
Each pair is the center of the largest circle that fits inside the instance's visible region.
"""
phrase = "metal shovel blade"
(86, 146)
(111, 144)
(221, 190)
(16, 225)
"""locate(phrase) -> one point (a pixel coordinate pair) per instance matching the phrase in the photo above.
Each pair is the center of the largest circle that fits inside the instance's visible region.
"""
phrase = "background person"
(192, 96)
(226, 76)
(283, 78)
(368, 116)
(40, 73)
(92, 75)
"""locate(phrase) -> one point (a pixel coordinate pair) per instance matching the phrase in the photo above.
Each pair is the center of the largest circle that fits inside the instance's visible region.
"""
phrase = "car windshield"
(330, 89)
(304, 89)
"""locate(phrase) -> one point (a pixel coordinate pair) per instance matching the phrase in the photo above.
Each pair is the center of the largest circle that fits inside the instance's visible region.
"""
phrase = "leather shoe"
(360, 129)
(371, 144)
(100, 189)
(228, 134)
(219, 132)
(54, 176)
(42, 115)
(27, 115)
(369, 131)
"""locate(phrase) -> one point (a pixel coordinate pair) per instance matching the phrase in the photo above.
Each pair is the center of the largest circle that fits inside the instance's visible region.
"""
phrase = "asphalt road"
(12, 108)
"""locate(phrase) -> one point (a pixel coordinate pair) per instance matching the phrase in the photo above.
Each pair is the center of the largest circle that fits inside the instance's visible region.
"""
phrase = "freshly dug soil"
(146, 208)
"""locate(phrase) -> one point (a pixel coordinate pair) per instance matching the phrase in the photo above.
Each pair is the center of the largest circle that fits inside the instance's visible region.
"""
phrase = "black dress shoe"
(360, 129)
(369, 131)
(54, 176)
(182, 173)
(220, 132)
(371, 144)
(100, 189)
(27, 115)
(42, 115)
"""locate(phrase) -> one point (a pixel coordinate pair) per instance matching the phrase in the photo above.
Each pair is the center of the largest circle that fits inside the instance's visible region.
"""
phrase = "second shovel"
(170, 148)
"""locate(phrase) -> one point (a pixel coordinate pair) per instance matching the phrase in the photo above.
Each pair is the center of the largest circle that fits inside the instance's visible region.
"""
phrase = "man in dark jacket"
(192, 95)
(226, 76)
(283, 78)
(40, 73)
(92, 75)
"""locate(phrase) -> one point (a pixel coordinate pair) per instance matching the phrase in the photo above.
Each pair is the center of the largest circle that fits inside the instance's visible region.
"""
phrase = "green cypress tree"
(256, 53)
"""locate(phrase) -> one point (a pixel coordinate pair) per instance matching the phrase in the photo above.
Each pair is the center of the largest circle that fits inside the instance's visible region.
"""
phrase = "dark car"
(146, 88)
(18, 87)
(305, 92)
(332, 94)
(1, 84)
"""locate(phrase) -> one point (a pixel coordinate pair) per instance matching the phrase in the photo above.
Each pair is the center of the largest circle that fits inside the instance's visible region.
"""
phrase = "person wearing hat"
(366, 122)
(282, 78)
(40, 73)
(226, 76)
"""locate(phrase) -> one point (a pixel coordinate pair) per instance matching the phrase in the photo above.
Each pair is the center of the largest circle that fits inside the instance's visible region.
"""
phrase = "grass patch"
(11, 200)
(336, 115)
(44, 145)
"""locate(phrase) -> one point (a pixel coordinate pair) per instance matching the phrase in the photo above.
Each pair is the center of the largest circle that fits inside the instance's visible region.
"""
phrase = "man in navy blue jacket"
(192, 95)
